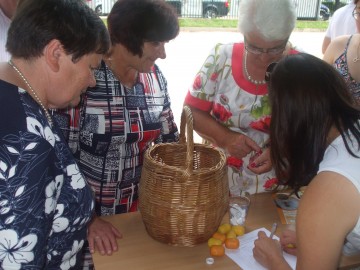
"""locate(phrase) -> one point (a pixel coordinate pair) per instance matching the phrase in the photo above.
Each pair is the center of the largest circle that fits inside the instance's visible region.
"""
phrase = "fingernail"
(253, 165)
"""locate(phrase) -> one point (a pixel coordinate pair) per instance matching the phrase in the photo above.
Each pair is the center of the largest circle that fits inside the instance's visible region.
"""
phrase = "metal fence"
(305, 9)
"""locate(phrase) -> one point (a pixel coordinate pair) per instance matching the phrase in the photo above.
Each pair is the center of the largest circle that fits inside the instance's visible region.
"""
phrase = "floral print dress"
(45, 203)
(220, 88)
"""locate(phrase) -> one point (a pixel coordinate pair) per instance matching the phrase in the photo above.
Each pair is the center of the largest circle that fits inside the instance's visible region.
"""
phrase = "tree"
(337, 4)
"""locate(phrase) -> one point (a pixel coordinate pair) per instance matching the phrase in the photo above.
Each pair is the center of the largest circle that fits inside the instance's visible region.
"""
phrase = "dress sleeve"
(169, 130)
(27, 182)
(201, 93)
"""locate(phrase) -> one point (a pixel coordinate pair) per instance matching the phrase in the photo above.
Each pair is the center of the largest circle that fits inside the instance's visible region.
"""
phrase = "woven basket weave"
(183, 192)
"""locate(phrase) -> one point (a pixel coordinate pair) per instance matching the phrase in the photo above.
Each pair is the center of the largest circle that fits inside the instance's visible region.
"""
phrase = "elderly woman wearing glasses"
(229, 96)
(344, 53)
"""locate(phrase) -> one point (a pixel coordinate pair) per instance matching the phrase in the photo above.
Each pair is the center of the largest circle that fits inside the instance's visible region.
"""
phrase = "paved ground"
(186, 53)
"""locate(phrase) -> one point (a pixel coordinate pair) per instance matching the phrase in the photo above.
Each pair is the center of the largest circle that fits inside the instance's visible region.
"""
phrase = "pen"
(273, 229)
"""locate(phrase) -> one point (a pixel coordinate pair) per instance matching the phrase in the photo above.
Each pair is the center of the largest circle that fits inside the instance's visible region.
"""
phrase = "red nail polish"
(253, 165)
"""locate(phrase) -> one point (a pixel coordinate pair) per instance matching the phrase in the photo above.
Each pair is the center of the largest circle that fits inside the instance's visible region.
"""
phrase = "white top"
(342, 22)
(4, 27)
(337, 159)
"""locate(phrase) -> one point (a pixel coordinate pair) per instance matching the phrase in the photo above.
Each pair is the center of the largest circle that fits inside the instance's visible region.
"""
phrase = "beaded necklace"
(256, 82)
(37, 99)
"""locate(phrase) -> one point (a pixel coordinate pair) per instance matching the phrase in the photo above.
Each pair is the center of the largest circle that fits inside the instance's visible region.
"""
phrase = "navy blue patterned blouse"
(45, 203)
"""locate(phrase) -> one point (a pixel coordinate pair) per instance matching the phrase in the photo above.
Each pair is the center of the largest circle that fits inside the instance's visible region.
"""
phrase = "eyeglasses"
(268, 71)
(356, 14)
(272, 51)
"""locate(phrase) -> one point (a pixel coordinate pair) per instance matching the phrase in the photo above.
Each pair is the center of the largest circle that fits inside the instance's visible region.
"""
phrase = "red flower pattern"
(234, 162)
(221, 113)
(271, 183)
(214, 76)
(197, 83)
(263, 124)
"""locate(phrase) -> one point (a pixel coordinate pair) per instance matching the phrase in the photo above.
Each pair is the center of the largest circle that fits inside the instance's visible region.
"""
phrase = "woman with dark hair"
(127, 111)
(315, 141)
(46, 203)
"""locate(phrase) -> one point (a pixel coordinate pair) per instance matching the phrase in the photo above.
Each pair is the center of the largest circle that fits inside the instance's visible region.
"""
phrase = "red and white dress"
(221, 88)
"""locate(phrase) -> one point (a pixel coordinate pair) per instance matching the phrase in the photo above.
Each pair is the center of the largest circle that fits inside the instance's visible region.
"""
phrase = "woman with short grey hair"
(229, 96)
(273, 20)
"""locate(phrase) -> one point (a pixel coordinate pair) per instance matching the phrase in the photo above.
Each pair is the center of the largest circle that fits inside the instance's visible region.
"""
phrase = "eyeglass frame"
(257, 51)
(356, 14)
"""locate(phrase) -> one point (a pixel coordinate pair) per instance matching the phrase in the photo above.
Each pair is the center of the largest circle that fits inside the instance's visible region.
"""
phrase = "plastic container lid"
(210, 260)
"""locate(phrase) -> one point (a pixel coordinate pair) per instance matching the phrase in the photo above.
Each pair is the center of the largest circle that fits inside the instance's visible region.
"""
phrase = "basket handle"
(187, 122)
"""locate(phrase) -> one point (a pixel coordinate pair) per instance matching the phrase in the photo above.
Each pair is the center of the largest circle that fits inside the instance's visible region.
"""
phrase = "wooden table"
(137, 250)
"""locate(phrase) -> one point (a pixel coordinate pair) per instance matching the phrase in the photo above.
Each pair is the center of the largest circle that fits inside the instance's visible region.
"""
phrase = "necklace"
(256, 82)
(357, 55)
(37, 99)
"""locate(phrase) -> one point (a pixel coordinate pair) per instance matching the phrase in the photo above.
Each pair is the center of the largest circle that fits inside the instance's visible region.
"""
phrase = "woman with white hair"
(229, 96)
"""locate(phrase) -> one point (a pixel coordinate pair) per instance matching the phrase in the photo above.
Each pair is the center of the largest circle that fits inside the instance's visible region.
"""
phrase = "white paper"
(243, 256)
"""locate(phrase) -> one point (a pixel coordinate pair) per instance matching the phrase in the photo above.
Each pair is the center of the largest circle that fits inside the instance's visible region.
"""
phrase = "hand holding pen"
(266, 248)
(288, 241)
(273, 230)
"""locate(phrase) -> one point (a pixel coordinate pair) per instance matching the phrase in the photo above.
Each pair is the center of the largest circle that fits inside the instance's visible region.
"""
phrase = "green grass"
(226, 23)
(213, 23)
(316, 25)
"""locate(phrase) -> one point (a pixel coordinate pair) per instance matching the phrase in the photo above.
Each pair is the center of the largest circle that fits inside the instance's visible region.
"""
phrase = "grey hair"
(272, 19)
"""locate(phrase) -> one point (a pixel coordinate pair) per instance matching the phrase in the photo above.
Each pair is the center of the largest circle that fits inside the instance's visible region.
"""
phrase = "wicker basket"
(183, 192)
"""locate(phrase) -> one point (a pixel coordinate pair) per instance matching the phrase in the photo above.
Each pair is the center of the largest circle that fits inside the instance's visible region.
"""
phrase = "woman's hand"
(261, 163)
(288, 241)
(234, 143)
(268, 252)
(239, 145)
(103, 235)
